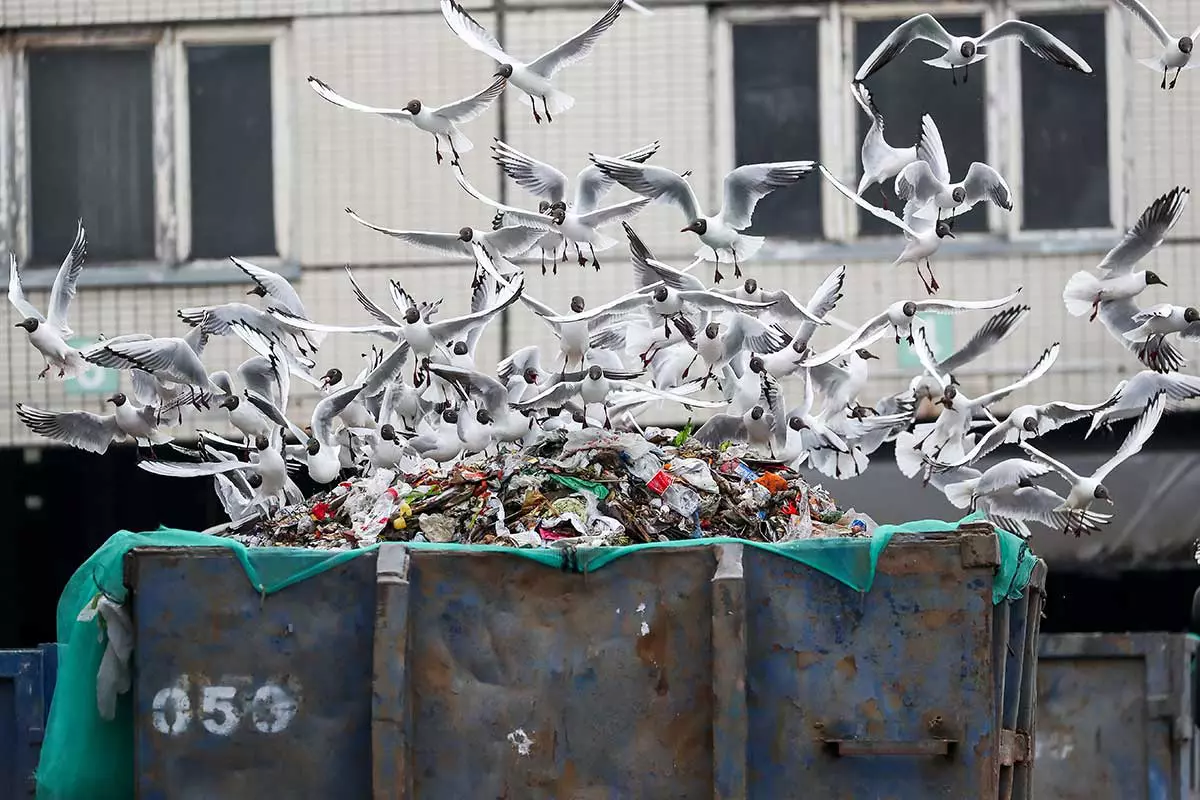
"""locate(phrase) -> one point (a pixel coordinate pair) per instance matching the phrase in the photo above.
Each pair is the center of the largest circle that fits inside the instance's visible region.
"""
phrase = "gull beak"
(951, 234)
(941, 401)
(688, 229)
(497, 73)
(252, 291)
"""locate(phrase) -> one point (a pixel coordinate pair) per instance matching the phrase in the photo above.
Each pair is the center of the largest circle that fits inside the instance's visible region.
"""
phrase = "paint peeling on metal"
(521, 741)
(644, 630)
(1057, 745)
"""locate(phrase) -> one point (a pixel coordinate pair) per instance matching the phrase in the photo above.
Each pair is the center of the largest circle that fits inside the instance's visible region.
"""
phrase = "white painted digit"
(175, 699)
(274, 708)
(218, 701)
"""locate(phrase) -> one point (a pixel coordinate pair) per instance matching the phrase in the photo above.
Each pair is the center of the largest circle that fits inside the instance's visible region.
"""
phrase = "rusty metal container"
(27, 679)
(714, 670)
(1116, 717)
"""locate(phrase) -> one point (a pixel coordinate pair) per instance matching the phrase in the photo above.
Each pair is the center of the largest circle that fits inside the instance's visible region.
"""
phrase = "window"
(1064, 126)
(776, 108)
(957, 110)
(232, 185)
(91, 152)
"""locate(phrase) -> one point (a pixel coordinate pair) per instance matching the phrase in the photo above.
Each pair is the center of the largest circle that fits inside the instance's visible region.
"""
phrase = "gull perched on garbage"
(322, 451)
(441, 121)
(880, 161)
(495, 409)
(48, 333)
(1086, 291)
(924, 186)
(507, 242)
(535, 79)
(95, 432)
(962, 51)
(1087, 489)
(719, 234)
(1176, 52)
(899, 317)
(923, 236)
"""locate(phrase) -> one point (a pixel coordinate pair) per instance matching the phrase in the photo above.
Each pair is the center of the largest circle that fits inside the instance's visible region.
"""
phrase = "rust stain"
(568, 782)
(847, 667)
(806, 660)
(938, 618)
(652, 648)
(870, 711)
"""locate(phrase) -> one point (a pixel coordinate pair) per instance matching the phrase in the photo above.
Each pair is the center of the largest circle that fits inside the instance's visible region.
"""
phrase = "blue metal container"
(27, 679)
(1116, 718)
(713, 670)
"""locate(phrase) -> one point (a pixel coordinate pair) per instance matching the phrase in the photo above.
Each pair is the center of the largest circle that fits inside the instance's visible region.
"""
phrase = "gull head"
(411, 315)
(440, 406)
(909, 309)
(1030, 424)
(865, 354)
(254, 479)
(1185, 44)
(450, 415)
(1101, 493)
(797, 424)
(258, 290)
(595, 372)
(460, 348)
(543, 206)
(30, 324)
(578, 417)
(503, 71)
(1190, 315)
(387, 432)
(117, 399)
(578, 304)
(660, 295)
(712, 330)
(861, 412)
(750, 286)
(948, 395)
(756, 413)
(413, 107)
(696, 226)
(313, 447)
(466, 234)
(557, 215)
(331, 378)
(1152, 279)
(757, 365)
(261, 443)
(943, 230)
(967, 49)
(230, 403)
(959, 194)
(530, 375)
(559, 204)
(483, 417)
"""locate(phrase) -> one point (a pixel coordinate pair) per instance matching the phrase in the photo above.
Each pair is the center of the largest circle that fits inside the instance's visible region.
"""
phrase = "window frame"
(171, 150)
(1002, 112)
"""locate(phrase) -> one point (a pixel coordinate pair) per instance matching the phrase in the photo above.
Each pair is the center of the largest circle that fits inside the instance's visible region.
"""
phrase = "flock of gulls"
(422, 400)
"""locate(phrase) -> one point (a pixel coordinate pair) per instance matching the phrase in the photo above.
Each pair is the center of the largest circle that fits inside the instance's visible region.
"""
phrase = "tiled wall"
(635, 88)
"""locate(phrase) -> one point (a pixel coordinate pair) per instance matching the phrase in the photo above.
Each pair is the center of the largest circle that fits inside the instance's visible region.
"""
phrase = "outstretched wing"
(657, 183)
(326, 92)
(922, 26)
(1148, 232)
(467, 109)
(748, 184)
(63, 290)
(1039, 41)
(471, 32)
(82, 429)
(577, 47)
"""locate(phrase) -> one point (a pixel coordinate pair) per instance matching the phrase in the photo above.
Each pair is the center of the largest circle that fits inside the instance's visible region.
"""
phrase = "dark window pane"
(906, 89)
(1065, 130)
(229, 101)
(91, 152)
(776, 118)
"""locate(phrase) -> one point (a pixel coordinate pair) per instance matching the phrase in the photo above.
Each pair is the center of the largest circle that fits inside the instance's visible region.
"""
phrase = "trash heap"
(583, 488)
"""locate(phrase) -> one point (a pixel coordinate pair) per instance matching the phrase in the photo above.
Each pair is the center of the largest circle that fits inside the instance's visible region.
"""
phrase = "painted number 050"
(271, 708)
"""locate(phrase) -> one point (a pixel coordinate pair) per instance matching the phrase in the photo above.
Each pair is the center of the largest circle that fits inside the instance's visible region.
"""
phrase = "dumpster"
(26, 685)
(1115, 717)
(719, 670)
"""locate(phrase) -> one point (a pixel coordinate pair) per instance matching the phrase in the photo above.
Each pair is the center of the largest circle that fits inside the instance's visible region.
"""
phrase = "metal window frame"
(171, 150)
(1002, 109)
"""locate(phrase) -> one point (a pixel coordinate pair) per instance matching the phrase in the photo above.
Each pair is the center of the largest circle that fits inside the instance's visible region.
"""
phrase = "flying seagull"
(49, 333)
(1176, 53)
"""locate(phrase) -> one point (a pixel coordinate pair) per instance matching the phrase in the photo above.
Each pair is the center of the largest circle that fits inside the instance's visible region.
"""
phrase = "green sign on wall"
(94, 379)
(939, 330)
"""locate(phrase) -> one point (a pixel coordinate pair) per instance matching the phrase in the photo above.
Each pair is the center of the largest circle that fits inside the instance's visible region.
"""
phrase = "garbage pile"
(583, 488)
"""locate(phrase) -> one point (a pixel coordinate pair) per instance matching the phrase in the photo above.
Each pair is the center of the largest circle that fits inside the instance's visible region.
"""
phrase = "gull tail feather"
(941, 63)
(461, 143)
(1080, 292)
(959, 494)
(908, 457)
(558, 101)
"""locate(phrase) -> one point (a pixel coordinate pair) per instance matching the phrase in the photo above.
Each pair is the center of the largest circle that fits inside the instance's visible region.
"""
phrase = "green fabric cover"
(85, 756)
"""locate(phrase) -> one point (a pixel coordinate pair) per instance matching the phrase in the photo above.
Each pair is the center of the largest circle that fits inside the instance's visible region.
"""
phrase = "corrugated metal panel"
(1115, 717)
(27, 680)
(703, 671)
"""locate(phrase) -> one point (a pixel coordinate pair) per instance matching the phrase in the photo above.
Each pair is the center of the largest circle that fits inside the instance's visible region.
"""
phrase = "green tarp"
(85, 757)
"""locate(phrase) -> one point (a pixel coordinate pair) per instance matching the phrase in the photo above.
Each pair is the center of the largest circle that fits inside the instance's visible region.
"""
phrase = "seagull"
(722, 343)
(1176, 53)
(592, 387)
(321, 448)
(1159, 321)
(991, 333)
(813, 432)
(169, 359)
(575, 337)
(49, 333)
(272, 287)
(787, 361)
(863, 432)
(95, 432)
(899, 316)
(535, 78)
(923, 235)
(269, 466)
(841, 383)
(962, 51)
(507, 242)
(756, 427)
(263, 377)
(495, 412)
(926, 181)
(573, 226)
(721, 232)
(1085, 291)
(1118, 318)
(1087, 489)
(1133, 394)
(881, 162)
(439, 441)
(521, 371)
(442, 121)
(218, 320)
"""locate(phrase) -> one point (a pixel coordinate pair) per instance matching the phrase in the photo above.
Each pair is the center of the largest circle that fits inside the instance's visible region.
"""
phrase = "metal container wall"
(27, 679)
(717, 671)
(1116, 717)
